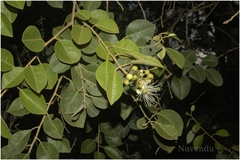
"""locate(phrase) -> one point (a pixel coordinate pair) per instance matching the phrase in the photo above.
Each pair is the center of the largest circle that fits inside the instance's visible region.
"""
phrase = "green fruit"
(126, 82)
(135, 68)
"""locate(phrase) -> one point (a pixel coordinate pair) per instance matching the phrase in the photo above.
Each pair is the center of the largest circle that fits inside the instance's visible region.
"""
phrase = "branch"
(227, 21)
(144, 15)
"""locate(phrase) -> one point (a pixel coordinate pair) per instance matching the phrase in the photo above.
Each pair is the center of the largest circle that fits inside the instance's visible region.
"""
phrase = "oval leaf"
(180, 86)
(36, 77)
(88, 146)
(16, 108)
(222, 133)
(139, 28)
(18, 142)
(190, 55)
(53, 128)
(197, 142)
(210, 60)
(12, 78)
(113, 152)
(46, 150)
(196, 128)
(190, 136)
(214, 77)
(4, 130)
(91, 5)
(16, 4)
(63, 146)
(107, 25)
(10, 12)
(33, 102)
(99, 155)
(198, 74)
(81, 34)
(176, 57)
(98, 15)
(7, 62)
(113, 140)
(103, 53)
(83, 14)
(141, 123)
(52, 77)
(58, 66)
(67, 52)
(56, 4)
(6, 26)
(168, 149)
(32, 39)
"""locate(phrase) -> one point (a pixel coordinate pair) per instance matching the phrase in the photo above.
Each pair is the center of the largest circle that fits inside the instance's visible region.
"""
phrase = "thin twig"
(227, 21)
(197, 98)
(144, 15)
(120, 5)
(208, 15)
(107, 3)
(227, 52)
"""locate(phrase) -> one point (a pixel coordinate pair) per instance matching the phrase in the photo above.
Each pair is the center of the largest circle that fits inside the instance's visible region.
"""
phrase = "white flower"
(148, 92)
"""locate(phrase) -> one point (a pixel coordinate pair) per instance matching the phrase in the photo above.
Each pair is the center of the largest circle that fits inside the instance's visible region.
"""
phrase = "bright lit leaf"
(36, 77)
(33, 102)
(5, 132)
(67, 52)
(32, 39)
(10, 12)
(141, 123)
(12, 78)
(176, 57)
(102, 52)
(91, 5)
(52, 77)
(190, 136)
(80, 34)
(6, 26)
(107, 25)
(139, 28)
(47, 150)
(58, 66)
(16, 4)
(83, 14)
(53, 128)
(7, 62)
(16, 108)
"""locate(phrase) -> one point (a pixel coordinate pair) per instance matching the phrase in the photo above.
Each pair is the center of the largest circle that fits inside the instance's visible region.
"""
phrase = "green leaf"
(18, 142)
(90, 48)
(102, 52)
(71, 101)
(4, 130)
(67, 52)
(192, 108)
(126, 110)
(169, 124)
(123, 131)
(190, 55)
(66, 34)
(46, 150)
(99, 155)
(76, 77)
(139, 28)
(98, 15)
(113, 140)
(100, 102)
(112, 38)
(81, 35)
(168, 149)
(92, 111)
(7, 62)
(109, 129)
(162, 53)
(33, 102)
(190, 136)
(36, 77)
(63, 145)
(56, 4)
(196, 127)
(222, 156)
(91, 5)
(107, 25)
(141, 123)
(88, 146)
(180, 86)
(52, 77)
(148, 46)
(235, 148)
(187, 67)
(147, 60)
(58, 66)
(110, 81)
(176, 57)
(83, 14)
(210, 60)
(53, 128)
(6, 26)
(222, 133)
(197, 142)
(10, 12)
(16, 108)
(218, 146)
(113, 152)
(12, 78)
(16, 4)
(214, 77)
(32, 39)
(198, 74)
(18, 156)
(78, 123)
